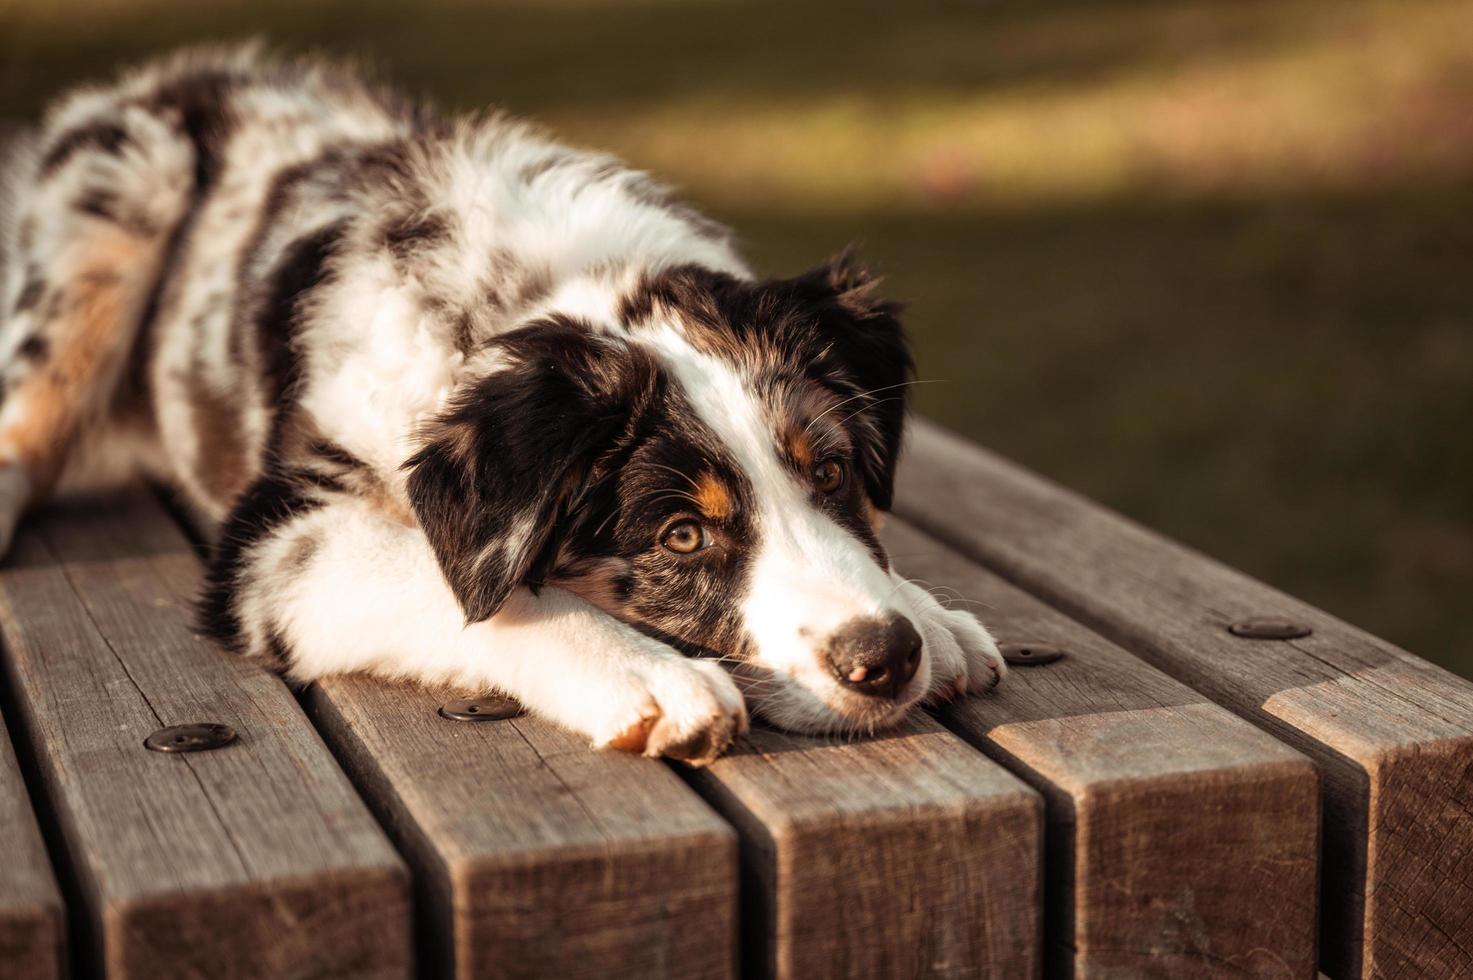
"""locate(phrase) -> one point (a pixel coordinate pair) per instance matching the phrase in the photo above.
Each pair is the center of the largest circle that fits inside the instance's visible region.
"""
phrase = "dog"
(453, 403)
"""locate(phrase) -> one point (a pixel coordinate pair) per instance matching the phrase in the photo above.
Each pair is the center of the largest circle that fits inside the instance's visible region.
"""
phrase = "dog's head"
(710, 467)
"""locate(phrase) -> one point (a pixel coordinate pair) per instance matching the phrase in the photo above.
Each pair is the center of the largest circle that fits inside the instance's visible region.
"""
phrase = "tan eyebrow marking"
(712, 496)
(800, 446)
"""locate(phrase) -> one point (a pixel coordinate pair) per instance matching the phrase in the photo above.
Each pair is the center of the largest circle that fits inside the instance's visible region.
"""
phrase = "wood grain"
(32, 924)
(1182, 841)
(904, 855)
(534, 855)
(255, 860)
(1391, 734)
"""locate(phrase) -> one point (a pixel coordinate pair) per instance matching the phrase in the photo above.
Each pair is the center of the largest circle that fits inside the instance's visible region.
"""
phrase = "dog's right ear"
(513, 455)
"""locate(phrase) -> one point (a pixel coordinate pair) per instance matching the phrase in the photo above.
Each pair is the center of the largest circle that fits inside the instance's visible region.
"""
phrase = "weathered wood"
(905, 855)
(1182, 841)
(256, 859)
(535, 856)
(31, 915)
(1392, 734)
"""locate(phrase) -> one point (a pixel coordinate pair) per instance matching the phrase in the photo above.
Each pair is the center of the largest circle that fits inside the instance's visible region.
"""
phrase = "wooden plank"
(1392, 734)
(32, 926)
(256, 859)
(1182, 841)
(535, 856)
(904, 855)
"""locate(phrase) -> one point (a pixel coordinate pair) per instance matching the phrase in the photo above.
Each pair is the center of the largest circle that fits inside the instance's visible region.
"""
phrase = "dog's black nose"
(876, 656)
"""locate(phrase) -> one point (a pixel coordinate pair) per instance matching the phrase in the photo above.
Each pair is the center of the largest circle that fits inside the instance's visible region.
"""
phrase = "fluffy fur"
(457, 403)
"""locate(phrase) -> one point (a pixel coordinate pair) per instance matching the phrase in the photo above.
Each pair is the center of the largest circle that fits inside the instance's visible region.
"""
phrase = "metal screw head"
(481, 709)
(199, 737)
(1269, 628)
(1029, 654)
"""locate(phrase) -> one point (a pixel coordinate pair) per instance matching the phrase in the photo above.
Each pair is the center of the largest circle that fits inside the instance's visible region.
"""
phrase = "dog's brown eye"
(828, 476)
(685, 538)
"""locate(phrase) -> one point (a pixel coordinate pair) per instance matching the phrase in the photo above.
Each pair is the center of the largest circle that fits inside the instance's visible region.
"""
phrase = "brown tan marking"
(800, 447)
(89, 339)
(221, 462)
(808, 418)
(713, 497)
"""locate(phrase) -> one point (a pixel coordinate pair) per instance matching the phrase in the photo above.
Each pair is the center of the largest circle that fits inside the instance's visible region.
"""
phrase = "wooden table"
(1167, 799)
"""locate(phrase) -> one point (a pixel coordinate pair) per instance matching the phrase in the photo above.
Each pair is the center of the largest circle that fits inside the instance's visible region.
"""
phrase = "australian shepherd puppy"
(458, 404)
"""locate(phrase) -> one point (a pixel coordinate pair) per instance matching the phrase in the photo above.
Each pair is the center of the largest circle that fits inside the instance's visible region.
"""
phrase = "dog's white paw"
(678, 708)
(965, 658)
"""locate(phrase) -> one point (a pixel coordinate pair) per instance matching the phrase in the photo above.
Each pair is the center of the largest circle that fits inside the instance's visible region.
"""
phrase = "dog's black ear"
(864, 354)
(511, 458)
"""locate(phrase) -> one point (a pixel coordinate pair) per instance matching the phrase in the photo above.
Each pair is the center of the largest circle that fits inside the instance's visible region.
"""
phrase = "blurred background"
(1210, 263)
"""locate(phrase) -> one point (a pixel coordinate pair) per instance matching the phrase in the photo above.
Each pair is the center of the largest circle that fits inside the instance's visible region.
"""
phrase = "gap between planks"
(1182, 841)
(32, 917)
(906, 855)
(1391, 734)
(258, 854)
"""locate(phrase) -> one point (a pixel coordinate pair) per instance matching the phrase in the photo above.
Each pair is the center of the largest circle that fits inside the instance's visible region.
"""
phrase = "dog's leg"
(337, 588)
(94, 206)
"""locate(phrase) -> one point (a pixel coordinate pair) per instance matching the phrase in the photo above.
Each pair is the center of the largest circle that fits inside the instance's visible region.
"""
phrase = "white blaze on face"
(809, 576)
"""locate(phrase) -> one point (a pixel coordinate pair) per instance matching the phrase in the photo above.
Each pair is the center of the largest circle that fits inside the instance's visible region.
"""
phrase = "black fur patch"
(283, 193)
(301, 269)
(465, 332)
(278, 653)
(200, 101)
(322, 481)
(269, 503)
(692, 601)
(105, 206)
(387, 165)
(31, 292)
(824, 326)
(33, 348)
(405, 236)
(100, 204)
(517, 452)
(331, 452)
(105, 137)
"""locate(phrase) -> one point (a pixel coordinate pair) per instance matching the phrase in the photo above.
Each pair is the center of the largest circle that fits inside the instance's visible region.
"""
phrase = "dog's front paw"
(965, 659)
(681, 709)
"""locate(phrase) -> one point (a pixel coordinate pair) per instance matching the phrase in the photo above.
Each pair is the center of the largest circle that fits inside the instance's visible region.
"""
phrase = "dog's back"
(170, 227)
(150, 217)
(458, 403)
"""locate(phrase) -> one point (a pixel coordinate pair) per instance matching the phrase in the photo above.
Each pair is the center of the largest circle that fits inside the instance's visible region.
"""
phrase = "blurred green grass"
(1207, 262)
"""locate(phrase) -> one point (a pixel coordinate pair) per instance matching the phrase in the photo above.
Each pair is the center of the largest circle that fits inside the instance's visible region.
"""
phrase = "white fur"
(351, 584)
(810, 577)
(558, 654)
